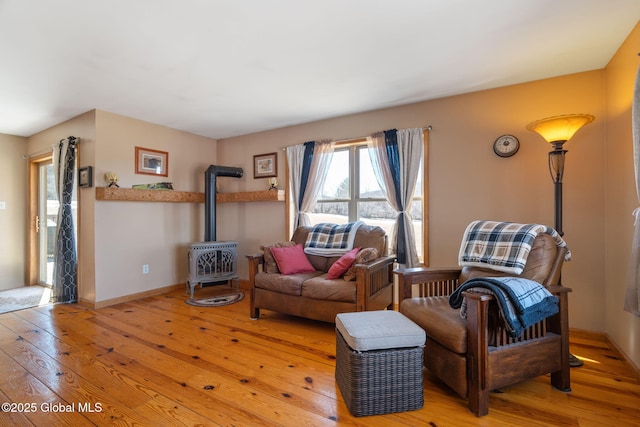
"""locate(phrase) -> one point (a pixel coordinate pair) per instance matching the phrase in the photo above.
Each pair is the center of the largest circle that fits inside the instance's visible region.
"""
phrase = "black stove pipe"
(210, 177)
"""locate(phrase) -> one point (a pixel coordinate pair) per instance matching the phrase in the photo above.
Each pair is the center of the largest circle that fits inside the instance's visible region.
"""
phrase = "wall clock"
(506, 146)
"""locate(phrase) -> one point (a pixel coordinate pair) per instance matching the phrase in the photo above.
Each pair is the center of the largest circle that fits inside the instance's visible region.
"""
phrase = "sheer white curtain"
(295, 160)
(410, 144)
(410, 149)
(632, 297)
(304, 201)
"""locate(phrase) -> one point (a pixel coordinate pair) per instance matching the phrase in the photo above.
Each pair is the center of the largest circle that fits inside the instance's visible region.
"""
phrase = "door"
(43, 216)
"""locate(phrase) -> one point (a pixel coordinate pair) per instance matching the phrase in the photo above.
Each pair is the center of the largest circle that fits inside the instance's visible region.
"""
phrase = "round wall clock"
(506, 146)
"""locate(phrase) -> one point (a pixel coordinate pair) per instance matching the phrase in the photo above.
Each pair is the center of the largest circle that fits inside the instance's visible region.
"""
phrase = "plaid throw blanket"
(522, 302)
(502, 246)
(331, 239)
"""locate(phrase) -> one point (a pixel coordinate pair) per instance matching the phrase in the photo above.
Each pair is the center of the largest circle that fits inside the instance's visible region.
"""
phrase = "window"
(352, 193)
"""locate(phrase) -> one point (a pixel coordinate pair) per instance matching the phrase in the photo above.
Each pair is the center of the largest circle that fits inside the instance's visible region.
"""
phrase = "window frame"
(363, 142)
(355, 150)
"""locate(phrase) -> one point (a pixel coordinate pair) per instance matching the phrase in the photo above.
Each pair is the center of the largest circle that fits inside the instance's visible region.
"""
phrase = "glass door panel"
(46, 222)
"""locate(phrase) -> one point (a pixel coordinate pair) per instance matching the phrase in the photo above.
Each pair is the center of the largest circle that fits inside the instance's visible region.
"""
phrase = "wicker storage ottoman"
(379, 357)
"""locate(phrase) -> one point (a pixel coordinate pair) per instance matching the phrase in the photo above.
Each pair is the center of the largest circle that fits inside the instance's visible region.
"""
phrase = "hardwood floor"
(161, 362)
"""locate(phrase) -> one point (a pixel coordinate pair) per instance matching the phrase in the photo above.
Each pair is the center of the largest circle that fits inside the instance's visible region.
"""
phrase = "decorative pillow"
(270, 265)
(364, 256)
(292, 260)
(342, 264)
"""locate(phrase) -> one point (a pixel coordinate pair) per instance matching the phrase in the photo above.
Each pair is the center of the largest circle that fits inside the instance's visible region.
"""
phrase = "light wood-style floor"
(161, 362)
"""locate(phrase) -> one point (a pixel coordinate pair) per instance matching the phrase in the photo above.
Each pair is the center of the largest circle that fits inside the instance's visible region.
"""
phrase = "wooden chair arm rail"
(376, 263)
(371, 278)
(427, 270)
(407, 277)
(559, 289)
(427, 274)
(254, 262)
(259, 257)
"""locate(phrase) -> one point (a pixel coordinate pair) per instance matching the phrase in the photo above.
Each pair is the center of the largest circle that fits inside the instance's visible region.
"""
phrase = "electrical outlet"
(145, 268)
(3, 204)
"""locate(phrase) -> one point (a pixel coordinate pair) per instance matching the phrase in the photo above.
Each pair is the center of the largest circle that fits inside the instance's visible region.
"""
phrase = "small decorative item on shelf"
(158, 186)
(112, 179)
(273, 183)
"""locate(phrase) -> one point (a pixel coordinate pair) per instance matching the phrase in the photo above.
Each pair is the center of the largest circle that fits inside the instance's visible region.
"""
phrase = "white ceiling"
(222, 68)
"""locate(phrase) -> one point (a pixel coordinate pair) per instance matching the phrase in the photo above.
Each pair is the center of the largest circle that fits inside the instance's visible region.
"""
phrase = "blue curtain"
(65, 287)
(306, 167)
(393, 156)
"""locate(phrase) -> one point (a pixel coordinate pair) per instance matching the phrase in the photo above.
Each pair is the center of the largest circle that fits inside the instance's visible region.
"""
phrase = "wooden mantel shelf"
(173, 196)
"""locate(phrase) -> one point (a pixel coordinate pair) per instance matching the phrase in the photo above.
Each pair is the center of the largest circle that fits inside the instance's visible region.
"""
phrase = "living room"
(467, 181)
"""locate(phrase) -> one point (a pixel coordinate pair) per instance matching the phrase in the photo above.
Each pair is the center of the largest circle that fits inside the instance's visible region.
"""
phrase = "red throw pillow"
(270, 265)
(343, 264)
(292, 260)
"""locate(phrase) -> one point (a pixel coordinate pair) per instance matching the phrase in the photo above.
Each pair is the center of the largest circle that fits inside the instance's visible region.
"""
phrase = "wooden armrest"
(559, 290)
(426, 274)
(372, 278)
(407, 277)
(376, 263)
(258, 257)
(254, 262)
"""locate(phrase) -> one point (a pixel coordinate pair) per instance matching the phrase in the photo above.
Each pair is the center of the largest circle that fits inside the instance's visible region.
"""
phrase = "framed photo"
(152, 162)
(265, 165)
(85, 176)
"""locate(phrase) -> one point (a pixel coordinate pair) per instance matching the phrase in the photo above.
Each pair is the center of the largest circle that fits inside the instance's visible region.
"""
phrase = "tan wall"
(130, 234)
(467, 180)
(116, 238)
(620, 195)
(13, 219)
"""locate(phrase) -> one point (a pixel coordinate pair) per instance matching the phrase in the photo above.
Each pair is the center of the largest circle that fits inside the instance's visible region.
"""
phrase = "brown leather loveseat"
(312, 295)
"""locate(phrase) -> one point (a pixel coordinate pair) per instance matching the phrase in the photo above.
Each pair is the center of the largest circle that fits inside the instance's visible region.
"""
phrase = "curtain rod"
(45, 150)
(427, 127)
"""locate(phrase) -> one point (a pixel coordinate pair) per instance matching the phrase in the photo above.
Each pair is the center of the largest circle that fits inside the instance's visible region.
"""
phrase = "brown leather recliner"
(475, 355)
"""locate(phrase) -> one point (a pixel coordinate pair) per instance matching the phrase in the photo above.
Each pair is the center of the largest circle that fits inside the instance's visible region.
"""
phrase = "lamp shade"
(560, 128)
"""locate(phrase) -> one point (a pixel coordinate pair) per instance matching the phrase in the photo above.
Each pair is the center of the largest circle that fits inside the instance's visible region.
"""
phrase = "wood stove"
(213, 262)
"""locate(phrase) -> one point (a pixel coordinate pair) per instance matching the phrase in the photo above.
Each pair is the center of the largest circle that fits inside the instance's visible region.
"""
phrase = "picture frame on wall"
(85, 177)
(152, 162)
(265, 165)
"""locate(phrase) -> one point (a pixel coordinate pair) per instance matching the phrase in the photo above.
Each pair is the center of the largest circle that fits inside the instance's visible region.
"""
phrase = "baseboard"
(243, 284)
(578, 334)
(627, 359)
(138, 295)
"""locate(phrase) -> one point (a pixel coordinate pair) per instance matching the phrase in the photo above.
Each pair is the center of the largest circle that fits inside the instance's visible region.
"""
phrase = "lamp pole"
(558, 130)
(556, 170)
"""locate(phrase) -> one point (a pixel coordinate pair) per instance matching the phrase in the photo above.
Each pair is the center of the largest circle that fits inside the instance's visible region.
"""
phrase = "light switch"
(3, 204)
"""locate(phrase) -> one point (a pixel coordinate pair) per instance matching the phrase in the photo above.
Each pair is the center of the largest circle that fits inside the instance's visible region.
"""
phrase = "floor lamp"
(557, 130)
